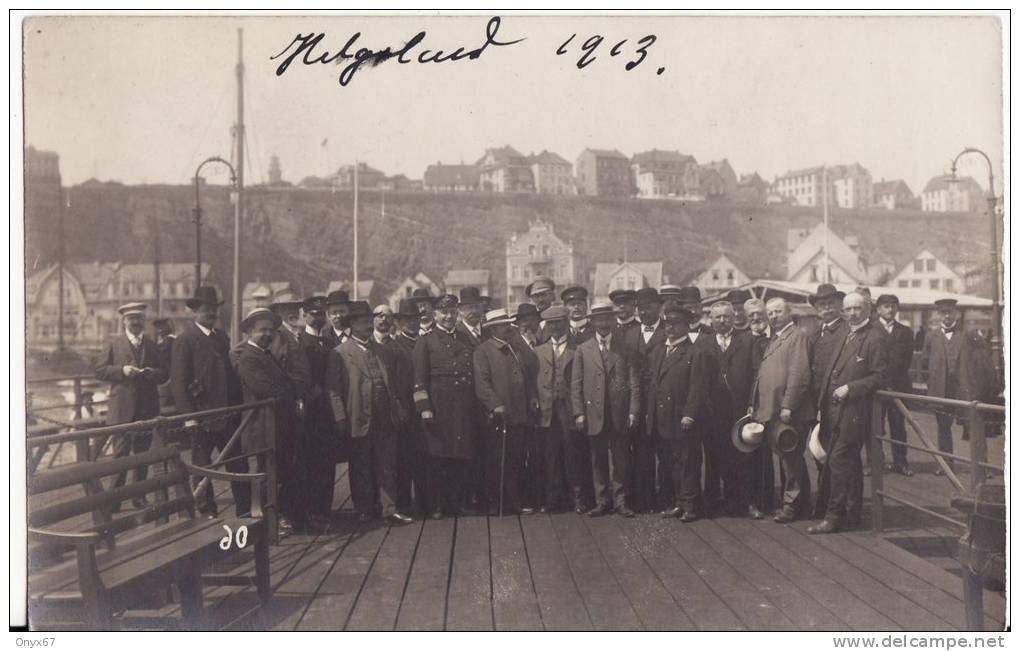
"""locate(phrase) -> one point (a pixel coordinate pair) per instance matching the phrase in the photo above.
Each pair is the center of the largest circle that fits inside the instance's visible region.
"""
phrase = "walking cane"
(502, 464)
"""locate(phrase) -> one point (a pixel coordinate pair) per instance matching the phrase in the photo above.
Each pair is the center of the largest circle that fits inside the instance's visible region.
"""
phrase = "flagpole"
(825, 219)
(355, 288)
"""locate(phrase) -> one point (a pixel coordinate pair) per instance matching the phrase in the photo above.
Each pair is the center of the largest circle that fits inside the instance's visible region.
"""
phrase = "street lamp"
(993, 223)
(198, 213)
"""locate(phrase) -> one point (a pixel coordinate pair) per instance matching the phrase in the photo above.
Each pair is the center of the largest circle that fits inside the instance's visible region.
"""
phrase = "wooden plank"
(754, 609)
(803, 611)
(469, 603)
(905, 614)
(377, 607)
(424, 605)
(604, 598)
(514, 602)
(858, 614)
(341, 585)
(650, 600)
(560, 603)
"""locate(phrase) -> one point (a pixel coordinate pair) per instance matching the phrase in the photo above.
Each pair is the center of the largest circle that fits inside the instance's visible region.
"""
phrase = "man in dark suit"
(412, 454)
(134, 367)
(524, 340)
(782, 397)
(606, 400)
(576, 300)
(566, 449)
(337, 311)
(262, 377)
(645, 338)
(852, 375)
(472, 309)
(732, 354)
(737, 298)
(681, 379)
(541, 292)
(202, 377)
(504, 385)
(425, 303)
(824, 341)
(900, 354)
(317, 449)
(761, 333)
(689, 298)
(624, 300)
(163, 332)
(959, 367)
(444, 397)
(362, 390)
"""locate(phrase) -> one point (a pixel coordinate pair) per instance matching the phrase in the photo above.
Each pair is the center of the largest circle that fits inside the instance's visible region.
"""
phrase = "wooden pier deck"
(569, 572)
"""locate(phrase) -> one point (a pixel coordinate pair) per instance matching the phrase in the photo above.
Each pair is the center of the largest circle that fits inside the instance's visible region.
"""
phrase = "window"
(730, 276)
(715, 274)
(934, 283)
(931, 264)
(916, 282)
(904, 283)
(619, 282)
(919, 265)
(947, 284)
(563, 270)
(531, 250)
(516, 272)
(814, 273)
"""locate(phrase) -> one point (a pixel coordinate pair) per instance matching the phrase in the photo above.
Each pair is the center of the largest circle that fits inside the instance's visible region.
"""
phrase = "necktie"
(648, 328)
(724, 343)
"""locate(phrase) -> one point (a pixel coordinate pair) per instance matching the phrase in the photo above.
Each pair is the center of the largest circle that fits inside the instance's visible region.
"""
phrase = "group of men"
(651, 402)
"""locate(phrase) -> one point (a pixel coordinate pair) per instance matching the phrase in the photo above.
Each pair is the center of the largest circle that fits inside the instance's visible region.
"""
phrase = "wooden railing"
(90, 443)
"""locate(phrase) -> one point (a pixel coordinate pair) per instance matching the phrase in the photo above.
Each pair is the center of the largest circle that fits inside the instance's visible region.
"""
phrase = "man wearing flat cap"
(576, 300)
(444, 398)
(337, 310)
(624, 302)
(899, 344)
(677, 409)
(644, 339)
(542, 293)
(606, 400)
(318, 447)
(201, 378)
(133, 366)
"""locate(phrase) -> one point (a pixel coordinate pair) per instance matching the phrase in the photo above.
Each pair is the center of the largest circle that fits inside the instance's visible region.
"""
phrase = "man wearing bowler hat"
(134, 367)
(412, 455)
(201, 378)
(899, 345)
(737, 298)
(472, 308)
(623, 301)
(606, 400)
(337, 310)
(361, 384)
(781, 398)
(689, 298)
(678, 415)
(823, 342)
(425, 303)
(444, 397)
(524, 340)
(526, 325)
(576, 300)
(542, 293)
(318, 447)
(648, 336)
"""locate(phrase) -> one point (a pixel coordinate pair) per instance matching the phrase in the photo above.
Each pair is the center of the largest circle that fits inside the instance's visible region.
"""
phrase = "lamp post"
(994, 225)
(198, 212)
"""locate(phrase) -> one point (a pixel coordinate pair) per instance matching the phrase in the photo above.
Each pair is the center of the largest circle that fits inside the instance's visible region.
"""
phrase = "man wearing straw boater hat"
(262, 377)
(606, 400)
(504, 384)
(852, 375)
(781, 400)
(678, 398)
(444, 397)
(133, 366)
(201, 378)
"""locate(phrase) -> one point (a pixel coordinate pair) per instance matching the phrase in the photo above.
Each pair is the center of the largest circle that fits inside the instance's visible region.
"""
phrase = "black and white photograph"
(506, 320)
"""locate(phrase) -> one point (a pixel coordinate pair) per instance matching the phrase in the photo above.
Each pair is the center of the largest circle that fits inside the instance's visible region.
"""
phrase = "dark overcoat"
(262, 377)
(352, 391)
(201, 375)
(504, 377)
(680, 386)
(859, 363)
(444, 385)
(899, 346)
(135, 398)
(966, 358)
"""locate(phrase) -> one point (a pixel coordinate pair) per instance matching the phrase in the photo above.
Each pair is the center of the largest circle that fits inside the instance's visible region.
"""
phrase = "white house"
(722, 275)
(610, 276)
(406, 288)
(928, 272)
(805, 262)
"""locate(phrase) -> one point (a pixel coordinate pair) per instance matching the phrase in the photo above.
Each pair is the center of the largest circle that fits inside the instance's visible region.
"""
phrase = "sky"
(144, 100)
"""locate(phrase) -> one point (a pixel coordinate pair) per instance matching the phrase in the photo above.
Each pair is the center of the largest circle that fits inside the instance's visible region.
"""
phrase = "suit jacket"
(332, 340)
(135, 398)
(680, 386)
(594, 382)
(966, 359)
(635, 340)
(860, 364)
(402, 349)
(824, 344)
(504, 377)
(473, 340)
(351, 390)
(552, 372)
(583, 335)
(621, 330)
(735, 373)
(262, 377)
(783, 379)
(286, 349)
(899, 347)
(201, 374)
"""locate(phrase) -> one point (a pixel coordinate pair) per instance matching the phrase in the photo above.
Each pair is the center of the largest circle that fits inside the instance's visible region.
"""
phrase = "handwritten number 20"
(593, 42)
(241, 537)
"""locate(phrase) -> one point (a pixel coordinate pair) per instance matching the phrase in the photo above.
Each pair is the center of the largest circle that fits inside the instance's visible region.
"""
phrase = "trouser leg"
(599, 446)
(434, 483)
(384, 468)
(685, 471)
(533, 465)
(418, 465)
(361, 473)
(578, 458)
(797, 489)
(201, 455)
(554, 443)
(713, 464)
(619, 447)
(404, 473)
(897, 432)
(845, 473)
(642, 471)
(944, 421)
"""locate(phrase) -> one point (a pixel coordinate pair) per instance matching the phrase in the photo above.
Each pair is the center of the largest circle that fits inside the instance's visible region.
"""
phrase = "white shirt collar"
(379, 337)
(863, 324)
(206, 331)
(449, 332)
(579, 324)
(256, 346)
(136, 340)
(604, 341)
(784, 328)
(310, 330)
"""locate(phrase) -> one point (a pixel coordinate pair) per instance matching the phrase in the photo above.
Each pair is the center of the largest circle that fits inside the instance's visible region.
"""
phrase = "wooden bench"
(118, 561)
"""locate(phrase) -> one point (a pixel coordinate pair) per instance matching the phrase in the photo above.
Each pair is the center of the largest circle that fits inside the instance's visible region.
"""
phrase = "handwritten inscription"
(309, 49)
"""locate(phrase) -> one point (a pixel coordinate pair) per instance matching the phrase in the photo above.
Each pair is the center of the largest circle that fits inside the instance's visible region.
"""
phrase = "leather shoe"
(580, 509)
(674, 512)
(867, 471)
(364, 517)
(904, 470)
(399, 518)
(625, 511)
(437, 515)
(825, 526)
(527, 510)
(690, 516)
(785, 516)
(754, 513)
(599, 511)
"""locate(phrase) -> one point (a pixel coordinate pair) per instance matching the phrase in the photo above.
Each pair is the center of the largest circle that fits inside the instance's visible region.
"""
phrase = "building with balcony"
(805, 262)
(845, 186)
(540, 252)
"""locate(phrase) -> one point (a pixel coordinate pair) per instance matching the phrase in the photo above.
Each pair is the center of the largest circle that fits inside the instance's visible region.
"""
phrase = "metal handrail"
(946, 402)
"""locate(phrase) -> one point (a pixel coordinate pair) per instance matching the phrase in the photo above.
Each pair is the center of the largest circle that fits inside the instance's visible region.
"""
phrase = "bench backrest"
(170, 490)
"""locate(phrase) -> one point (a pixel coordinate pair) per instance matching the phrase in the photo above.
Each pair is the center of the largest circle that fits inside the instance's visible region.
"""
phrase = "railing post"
(978, 447)
(877, 462)
(272, 502)
(159, 440)
(77, 398)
